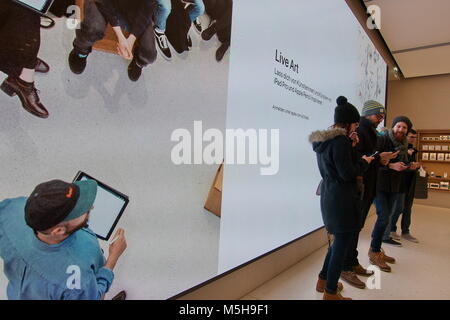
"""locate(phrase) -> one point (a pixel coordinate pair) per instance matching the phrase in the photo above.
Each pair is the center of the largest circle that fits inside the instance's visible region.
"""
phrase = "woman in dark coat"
(339, 167)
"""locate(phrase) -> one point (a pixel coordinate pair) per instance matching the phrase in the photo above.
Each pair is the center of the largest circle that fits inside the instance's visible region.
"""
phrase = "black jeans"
(405, 210)
(93, 29)
(20, 32)
(351, 258)
(334, 260)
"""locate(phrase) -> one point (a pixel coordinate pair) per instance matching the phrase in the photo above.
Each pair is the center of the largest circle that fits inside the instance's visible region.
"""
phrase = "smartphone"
(375, 154)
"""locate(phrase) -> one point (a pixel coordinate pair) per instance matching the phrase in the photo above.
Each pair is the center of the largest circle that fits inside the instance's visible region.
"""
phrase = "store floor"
(421, 271)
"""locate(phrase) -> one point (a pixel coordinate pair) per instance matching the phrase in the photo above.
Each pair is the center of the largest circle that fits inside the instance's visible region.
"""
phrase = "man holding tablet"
(48, 252)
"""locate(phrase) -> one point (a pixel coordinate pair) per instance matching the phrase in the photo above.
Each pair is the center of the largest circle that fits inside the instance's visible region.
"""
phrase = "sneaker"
(189, 41)
(409, 237)
(122, 295)
(394, 236)
(198, 25)
(392, 242)
(77, 63)
(209, 32)
(134, 71)
(221, 51)
(163, 44)
(351, 278)
(42, 66)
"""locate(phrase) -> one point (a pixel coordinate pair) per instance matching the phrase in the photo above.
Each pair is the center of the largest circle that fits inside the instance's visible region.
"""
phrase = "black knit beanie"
(345, 112)
(403, 119)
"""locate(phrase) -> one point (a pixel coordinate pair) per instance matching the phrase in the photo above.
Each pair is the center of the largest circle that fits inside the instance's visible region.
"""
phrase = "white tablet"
(40, 6)
(109, 206)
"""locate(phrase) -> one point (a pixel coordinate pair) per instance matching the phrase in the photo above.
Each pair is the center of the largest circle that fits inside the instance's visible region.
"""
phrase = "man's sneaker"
(351, 278)
(198, 25)
(189, 41)
(392, 242)
(394, 236)
(163, 44)
(377, 258)
(134, 71)
(409, 237)
(77, 62)
(122, 295)
(209, 32)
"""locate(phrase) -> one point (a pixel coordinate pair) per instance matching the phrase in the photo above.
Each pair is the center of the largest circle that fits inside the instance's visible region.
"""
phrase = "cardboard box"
(214, 201)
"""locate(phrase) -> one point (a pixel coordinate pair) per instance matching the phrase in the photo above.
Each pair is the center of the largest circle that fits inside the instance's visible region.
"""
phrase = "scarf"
(401, 146)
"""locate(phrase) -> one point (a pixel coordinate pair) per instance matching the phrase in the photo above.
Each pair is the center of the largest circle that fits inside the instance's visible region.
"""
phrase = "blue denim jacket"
(73, 269)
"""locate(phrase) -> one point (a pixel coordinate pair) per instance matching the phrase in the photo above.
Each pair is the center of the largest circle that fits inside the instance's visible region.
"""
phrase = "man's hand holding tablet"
(116, 248)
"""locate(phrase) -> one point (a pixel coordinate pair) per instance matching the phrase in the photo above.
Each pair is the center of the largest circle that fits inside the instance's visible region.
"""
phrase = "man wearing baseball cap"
(47, 250)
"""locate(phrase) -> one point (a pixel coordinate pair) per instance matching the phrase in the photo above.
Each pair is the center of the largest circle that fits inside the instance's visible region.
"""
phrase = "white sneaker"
(395, 236)
(409, 237)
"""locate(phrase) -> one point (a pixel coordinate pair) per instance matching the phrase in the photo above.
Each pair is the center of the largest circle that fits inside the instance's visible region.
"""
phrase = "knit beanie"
(372, 107)
(403, 119)
(345, 112)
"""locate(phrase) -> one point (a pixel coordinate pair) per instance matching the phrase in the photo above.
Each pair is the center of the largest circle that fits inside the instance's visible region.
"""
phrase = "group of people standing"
(142, 27)
(360, 167)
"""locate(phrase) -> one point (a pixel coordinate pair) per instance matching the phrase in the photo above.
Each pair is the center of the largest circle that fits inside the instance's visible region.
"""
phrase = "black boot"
(221, 51)
(76, 63)
(134, 71)
(27, 94)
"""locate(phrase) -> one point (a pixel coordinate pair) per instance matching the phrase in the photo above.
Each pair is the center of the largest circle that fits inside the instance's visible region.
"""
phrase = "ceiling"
(417, 32)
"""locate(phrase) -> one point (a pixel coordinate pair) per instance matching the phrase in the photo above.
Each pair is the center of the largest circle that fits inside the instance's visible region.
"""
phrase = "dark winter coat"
(389, 180)
(339, 166)
(367, 146)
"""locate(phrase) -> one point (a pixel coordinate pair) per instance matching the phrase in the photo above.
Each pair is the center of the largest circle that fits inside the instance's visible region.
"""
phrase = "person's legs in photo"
(20, 32)
(145, 53)
(162, 12)
(195, 10)
(92, 29)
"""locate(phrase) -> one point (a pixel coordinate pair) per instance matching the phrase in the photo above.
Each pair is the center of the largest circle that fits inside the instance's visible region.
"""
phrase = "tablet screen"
(108, 208)
(39, 5)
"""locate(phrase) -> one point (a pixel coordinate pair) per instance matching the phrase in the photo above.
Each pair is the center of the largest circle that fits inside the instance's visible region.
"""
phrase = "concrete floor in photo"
(120, 132)
(421, 270)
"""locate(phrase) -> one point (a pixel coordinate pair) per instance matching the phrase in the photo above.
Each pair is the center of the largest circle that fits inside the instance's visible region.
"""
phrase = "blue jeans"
(334, 260)
(396, 211)
(405, 211)
(196, 9)
(385, 204)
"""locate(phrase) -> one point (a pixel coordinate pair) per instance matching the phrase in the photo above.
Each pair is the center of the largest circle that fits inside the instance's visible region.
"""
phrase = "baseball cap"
(57, 201)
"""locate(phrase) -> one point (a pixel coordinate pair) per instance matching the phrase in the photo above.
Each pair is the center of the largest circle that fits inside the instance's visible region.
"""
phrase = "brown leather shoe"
(320, 286)
(27, 95)
(387, 258)
(122, 295)
(377, 259)
(41, 66)
(351, 278)
(337, 296)
(360, 271)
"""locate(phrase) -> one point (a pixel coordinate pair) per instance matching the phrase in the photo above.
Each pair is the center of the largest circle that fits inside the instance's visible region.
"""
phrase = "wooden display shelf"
(445, 190)
(435, 161)
(439, 179)
(435, 141)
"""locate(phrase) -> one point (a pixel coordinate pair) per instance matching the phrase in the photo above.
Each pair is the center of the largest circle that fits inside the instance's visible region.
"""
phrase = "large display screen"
(290, 61)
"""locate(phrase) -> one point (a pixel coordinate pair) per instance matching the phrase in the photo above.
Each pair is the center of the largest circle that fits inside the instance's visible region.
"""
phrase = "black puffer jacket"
(339, 166)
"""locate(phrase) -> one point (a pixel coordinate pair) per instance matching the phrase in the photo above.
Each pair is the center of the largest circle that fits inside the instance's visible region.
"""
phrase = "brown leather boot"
(377, 258)
(27, 95)
(320, 286)
(387, 258)
(351, 278)
(337, 296)
(361, 271)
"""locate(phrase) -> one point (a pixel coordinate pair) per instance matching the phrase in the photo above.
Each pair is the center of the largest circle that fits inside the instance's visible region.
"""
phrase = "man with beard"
(47, 250)
(372, 115)
(389, 187)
